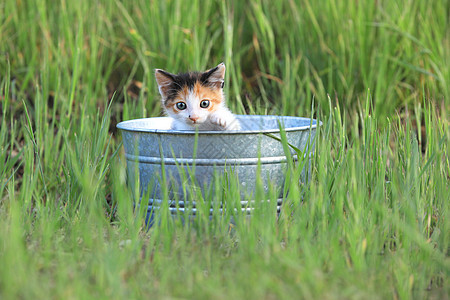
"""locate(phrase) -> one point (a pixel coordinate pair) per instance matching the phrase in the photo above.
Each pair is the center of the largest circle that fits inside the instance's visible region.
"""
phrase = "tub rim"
(312, 125)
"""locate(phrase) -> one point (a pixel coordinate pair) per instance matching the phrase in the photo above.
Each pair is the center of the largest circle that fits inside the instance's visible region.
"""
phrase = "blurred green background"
(280, 55)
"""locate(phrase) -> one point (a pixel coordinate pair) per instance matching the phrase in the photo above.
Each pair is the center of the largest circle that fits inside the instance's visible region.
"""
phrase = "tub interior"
(250, 124)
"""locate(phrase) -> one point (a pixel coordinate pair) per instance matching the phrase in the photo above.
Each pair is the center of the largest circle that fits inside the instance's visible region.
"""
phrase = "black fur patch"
(189, 79)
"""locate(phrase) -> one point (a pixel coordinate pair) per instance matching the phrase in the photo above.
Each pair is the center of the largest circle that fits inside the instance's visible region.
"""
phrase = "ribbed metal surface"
(150, 144)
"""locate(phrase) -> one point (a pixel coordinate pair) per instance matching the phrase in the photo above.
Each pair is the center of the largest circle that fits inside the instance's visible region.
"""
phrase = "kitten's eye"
(204, 103)
(181, 105)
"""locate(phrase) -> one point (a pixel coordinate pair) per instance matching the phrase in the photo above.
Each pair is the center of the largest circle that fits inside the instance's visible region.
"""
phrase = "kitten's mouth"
(196, 122)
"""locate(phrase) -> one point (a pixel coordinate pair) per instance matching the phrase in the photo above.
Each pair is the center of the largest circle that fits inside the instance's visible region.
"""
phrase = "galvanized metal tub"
(154, 151)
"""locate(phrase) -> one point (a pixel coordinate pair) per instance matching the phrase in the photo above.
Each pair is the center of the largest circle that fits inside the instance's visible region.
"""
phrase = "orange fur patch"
(214, 96)
(181, 96)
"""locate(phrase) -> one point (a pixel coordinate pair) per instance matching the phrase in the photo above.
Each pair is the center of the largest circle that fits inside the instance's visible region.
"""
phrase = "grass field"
(372, 223)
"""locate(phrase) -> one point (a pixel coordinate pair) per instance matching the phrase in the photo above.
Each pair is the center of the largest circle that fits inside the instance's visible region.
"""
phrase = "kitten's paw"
(225, 122)
(219, 121)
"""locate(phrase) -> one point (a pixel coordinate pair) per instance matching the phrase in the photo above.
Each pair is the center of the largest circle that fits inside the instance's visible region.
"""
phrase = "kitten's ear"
(215, 76)
(164, 80)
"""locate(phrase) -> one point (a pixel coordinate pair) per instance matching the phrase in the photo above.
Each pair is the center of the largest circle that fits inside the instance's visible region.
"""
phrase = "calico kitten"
(196, 100)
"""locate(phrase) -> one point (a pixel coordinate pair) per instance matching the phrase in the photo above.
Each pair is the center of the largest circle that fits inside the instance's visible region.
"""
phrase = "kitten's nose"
(193, 118)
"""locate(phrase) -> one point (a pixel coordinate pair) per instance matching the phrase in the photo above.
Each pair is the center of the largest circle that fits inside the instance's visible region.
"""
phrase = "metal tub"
(151, 146)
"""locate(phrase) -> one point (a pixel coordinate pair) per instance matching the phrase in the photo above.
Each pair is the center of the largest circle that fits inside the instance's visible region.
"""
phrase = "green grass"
(373, 222)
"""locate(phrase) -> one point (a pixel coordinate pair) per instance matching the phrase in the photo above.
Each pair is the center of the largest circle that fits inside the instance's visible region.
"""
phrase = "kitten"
(196, 100)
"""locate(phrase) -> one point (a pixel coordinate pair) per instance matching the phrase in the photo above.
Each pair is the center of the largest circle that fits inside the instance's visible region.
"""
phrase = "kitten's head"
(191, 97)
